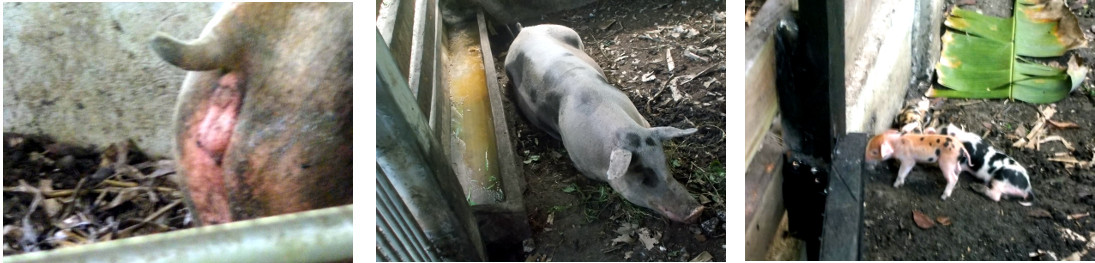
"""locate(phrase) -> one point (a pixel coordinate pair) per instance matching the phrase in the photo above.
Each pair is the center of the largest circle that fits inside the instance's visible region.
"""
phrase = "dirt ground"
(119, 193)
(574, 218)
(1058, 225)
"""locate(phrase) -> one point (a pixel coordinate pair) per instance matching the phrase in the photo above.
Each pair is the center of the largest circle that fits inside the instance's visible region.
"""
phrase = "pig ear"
(618, 163)
(665, 133)
(887, 150)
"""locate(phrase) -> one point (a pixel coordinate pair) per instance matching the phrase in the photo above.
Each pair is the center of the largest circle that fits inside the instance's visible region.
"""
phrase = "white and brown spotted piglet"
(924, 148)
(1004, 176)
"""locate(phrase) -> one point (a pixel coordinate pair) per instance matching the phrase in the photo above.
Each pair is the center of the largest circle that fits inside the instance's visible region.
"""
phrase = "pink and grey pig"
(563, 92)
(263, 119)
(1004, 176)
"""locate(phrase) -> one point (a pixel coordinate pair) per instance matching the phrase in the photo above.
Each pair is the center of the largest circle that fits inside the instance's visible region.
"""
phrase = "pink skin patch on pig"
(215, 129)
(205, 144)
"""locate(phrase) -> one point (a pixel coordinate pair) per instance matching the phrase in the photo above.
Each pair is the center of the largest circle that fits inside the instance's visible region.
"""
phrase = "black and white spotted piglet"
(1004, 176)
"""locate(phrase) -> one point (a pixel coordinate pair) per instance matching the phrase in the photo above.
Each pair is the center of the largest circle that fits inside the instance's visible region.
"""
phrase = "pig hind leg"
(952, 180)
(992, 193)
(906, 167)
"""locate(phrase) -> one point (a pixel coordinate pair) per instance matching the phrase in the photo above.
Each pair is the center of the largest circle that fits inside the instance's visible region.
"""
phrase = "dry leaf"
(52, 206)
(945, 221)
(1039, 213)
(1078, 215)
(702, 257)
(626, 229)
(624, 238)
(1063, 124)
(922, 220)
(1057, 138)
(647, 239)
(124, 196)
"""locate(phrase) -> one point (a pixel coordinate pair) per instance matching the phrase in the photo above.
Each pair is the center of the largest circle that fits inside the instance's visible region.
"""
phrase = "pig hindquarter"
(263, 118)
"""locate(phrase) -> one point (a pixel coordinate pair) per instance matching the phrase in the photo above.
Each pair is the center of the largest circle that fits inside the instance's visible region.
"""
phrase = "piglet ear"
(665, 133)
(887, 150)
(618, 163)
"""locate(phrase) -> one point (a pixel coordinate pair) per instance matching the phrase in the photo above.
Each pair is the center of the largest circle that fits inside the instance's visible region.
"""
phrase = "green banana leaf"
(983, 56)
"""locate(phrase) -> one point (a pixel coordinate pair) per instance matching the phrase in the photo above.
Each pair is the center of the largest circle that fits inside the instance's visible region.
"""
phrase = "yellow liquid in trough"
(472, 145)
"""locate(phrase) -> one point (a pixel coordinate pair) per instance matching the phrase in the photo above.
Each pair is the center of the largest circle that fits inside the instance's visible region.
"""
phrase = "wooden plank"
(763, 198)
(843, 226)
(420, 72)
(441, 113)
(394, 25)
(760, 74)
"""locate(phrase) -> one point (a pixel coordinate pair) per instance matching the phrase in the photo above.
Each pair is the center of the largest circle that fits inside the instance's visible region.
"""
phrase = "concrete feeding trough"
(478, 138)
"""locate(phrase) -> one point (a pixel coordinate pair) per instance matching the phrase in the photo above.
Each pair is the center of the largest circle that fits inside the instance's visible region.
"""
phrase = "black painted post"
(810, 84)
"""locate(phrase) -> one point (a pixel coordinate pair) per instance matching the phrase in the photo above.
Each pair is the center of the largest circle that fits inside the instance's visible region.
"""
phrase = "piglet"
(1004, 176)
(925, 148)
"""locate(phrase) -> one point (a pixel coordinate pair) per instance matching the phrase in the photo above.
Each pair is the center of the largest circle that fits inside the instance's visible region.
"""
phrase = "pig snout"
(689, 217)
(673, 202)
(263, 119)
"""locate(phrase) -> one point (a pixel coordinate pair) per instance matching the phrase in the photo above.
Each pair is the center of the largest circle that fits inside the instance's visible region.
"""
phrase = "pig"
(563, 92)
(912, 148)
(1002, 174)
(263, 118)
(915, 116)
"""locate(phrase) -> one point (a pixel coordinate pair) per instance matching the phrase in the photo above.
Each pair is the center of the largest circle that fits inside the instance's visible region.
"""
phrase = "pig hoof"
(898, 184)
(945, 196)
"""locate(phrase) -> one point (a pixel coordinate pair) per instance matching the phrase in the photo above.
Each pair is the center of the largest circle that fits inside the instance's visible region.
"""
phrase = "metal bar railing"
(321, 235)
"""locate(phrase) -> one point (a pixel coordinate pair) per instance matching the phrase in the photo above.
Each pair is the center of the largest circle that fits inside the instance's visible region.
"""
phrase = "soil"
(574, 218)
(981, 229)
(120, 193)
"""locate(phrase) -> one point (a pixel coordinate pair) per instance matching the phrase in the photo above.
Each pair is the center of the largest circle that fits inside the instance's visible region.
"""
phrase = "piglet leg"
(952, 180)
(991, 193)
(906, 167)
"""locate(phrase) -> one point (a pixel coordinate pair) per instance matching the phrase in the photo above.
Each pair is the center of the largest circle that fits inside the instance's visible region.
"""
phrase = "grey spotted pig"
(563, 92)
(1004, 176)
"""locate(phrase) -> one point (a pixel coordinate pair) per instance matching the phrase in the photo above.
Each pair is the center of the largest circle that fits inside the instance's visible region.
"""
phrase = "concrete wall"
(83, 72)
(888, 45)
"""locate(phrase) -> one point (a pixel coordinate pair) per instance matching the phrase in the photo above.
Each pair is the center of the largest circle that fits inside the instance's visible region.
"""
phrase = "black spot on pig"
(550, 106)
(921, 138)
(931, 159)
(632, 140)
(650, 179)
(937, 140)
(650, 141)
(937, 152)
(947, 144)
(1013, 177)
(587, 103)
